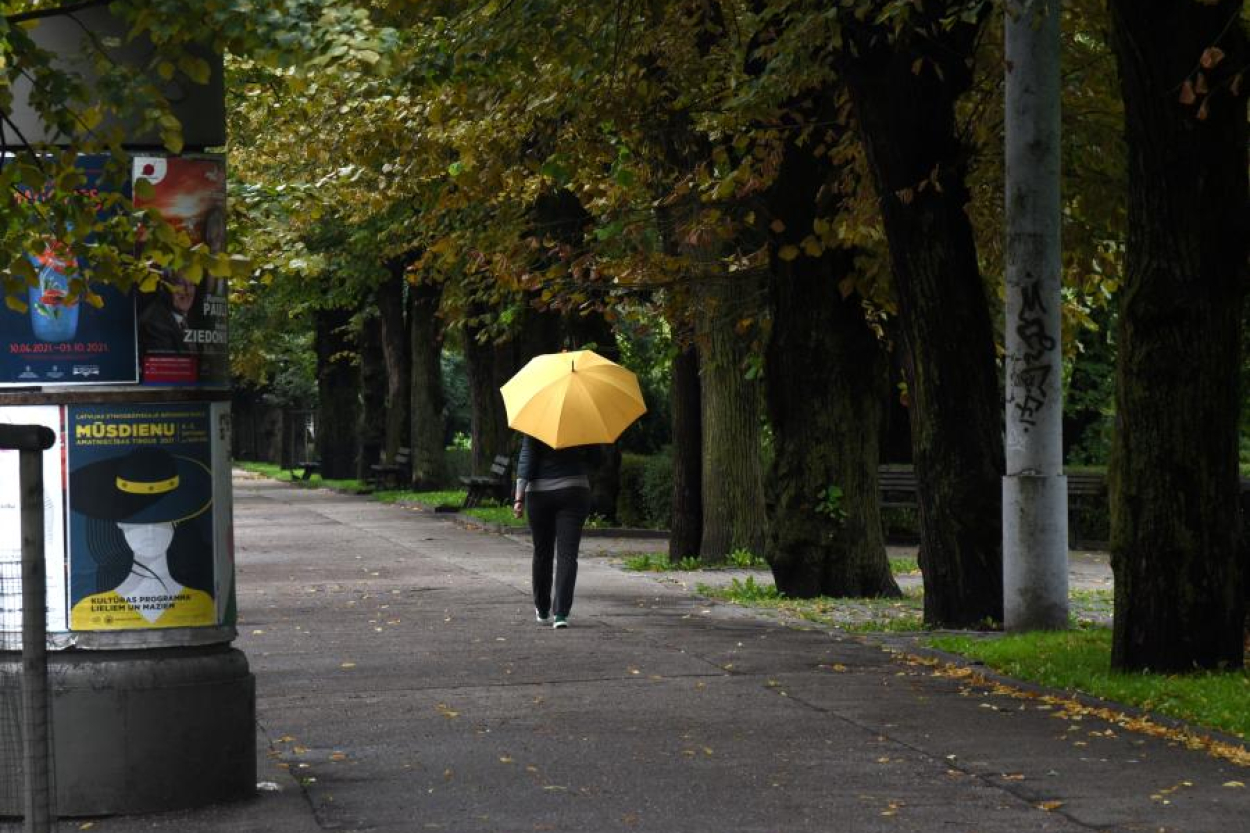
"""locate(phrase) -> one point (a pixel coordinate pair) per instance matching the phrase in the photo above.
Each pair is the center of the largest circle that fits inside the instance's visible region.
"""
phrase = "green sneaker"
(541, 617)
(561, 622)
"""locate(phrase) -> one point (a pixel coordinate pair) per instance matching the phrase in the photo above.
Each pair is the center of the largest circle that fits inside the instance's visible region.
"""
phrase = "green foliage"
(904, 566)
(746, 560)
(459, 463)
(87, 102)
(657, 562)
(743, 591)
(1089, 395)
(646, 494)
(1081, 661)
(459, 415)
(829, 503)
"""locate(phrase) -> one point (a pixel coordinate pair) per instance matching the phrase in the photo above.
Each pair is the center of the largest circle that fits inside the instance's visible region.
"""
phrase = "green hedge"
(459, 464)
(646, 496)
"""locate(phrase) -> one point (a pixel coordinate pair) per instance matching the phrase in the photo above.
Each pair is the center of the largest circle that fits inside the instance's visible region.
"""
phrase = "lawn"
(1080, 660)
(501, 515)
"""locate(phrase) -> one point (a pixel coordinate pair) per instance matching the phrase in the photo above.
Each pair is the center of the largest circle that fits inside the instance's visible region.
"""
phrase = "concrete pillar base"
(139, 731)
(1035, 552)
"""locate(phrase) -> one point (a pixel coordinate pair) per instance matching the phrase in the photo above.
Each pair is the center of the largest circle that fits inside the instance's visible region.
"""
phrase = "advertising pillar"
(152, 707)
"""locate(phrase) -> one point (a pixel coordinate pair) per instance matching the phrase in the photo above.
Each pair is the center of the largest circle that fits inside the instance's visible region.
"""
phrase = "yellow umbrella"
(573, 398)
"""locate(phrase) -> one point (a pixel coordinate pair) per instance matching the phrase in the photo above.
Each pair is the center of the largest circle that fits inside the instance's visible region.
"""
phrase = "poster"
(142, 520)
(182, 325)
(58, 341)
(11, 527)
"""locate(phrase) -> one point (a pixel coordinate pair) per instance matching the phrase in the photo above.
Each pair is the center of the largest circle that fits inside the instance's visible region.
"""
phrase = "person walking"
(553, 488)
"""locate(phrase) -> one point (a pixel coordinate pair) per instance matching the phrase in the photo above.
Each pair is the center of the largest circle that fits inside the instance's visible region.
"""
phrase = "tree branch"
(55, 11)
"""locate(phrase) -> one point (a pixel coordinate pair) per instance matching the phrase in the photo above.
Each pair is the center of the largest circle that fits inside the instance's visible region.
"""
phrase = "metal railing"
(31, 441)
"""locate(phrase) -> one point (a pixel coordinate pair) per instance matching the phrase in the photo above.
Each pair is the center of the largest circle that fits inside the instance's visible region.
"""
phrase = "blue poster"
(58, 341)
(141, 517)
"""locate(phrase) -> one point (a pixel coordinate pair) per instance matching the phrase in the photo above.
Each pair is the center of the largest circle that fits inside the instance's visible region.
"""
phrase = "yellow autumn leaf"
(788, 252)
(1234, 784)
(1049, 806)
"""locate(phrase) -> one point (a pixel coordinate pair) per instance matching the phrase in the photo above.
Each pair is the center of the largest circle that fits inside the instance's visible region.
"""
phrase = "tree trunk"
(733, 489)
(826, 374)
(686, 529)
(337, 394)
(429, 465)
(1175, 529)
(371, 423)
(904, 97)
(490, 421)
(395, 349)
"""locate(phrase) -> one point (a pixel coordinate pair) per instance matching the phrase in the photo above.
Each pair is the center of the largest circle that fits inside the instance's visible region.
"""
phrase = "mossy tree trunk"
(338, 383)
(372, 384)
(904, 93)
(489, 426)
(426, 410)
(686, 530)
(826, 377)
(396, 347)
(1177, 555)
(733, 489)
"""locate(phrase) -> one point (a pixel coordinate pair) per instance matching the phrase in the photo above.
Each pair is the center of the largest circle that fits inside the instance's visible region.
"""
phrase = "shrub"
(459, 464)
(646, 495)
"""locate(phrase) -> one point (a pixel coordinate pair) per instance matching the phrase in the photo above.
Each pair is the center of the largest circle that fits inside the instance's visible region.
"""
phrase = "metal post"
(31, 441)
(1035, 493)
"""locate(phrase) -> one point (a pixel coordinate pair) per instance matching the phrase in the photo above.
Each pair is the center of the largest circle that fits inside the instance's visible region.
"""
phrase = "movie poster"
(182, 325)
(142, 518)
(58, 340)
(11, 527)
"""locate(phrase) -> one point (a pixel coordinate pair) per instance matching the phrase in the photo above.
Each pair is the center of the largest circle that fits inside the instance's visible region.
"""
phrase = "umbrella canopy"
(573, 398)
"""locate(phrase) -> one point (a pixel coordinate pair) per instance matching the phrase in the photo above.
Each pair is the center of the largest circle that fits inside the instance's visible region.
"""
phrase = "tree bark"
(1176, 550)
(396, 347)
(733, 489)
(429, 465)
(904, 95)
(826, 374)
(490, 421)
(337, 394)
(372, 384)
(686, 529)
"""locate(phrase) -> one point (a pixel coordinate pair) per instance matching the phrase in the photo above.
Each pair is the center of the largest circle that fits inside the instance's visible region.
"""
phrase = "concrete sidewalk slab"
(404, 686)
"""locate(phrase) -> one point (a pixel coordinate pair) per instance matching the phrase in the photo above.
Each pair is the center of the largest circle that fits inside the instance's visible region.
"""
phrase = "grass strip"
(1080, 660)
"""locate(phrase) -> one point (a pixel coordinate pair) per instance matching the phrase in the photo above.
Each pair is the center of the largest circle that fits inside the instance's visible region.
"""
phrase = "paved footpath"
(404, 686)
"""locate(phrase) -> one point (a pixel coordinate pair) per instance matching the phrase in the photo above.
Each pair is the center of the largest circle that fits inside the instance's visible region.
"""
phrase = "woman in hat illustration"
(152, 571)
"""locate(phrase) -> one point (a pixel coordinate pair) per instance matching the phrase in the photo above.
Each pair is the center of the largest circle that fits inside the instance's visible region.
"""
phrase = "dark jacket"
(539, 461)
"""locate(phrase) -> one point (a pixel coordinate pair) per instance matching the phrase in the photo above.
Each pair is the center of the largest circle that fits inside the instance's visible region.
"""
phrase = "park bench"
(395, 472)
(896, 487)
(494, 486)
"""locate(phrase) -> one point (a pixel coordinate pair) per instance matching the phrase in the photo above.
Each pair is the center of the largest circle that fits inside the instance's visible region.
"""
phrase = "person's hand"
(518, 508)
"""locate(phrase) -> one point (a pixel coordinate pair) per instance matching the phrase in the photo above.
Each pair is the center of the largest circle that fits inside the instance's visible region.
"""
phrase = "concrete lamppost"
(1035, 495)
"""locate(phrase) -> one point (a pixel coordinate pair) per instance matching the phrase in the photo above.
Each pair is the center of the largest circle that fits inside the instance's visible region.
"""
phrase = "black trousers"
(556, 520)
